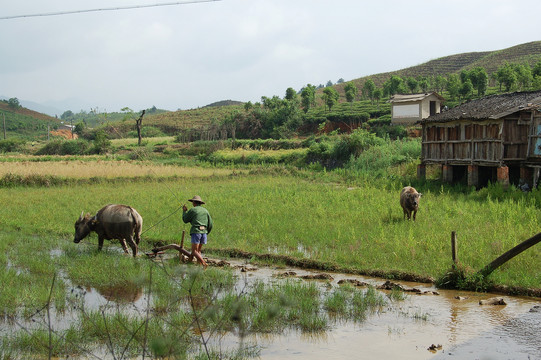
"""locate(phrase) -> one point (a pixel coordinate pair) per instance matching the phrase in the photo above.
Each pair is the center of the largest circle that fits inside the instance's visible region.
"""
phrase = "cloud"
(191, 55)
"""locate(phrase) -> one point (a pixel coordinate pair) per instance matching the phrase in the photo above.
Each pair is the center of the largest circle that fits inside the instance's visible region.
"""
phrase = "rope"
(165, 218)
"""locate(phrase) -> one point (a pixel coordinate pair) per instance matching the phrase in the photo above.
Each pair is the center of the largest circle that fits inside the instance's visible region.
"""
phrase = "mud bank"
(391, 275)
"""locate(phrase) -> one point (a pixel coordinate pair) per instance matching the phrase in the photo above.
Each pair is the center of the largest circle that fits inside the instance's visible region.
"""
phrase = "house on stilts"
(495, 138)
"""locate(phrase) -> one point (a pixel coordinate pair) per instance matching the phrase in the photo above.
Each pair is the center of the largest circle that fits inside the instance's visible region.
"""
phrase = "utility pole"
(4, 116)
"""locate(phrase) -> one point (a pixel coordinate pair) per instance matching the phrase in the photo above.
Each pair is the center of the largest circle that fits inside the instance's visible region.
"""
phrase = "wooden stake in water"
(454, 248)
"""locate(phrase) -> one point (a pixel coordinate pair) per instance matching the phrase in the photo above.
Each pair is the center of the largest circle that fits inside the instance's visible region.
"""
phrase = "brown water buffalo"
(409, 200)
(119, 222)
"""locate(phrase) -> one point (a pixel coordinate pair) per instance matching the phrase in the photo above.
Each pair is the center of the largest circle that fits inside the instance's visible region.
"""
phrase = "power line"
(107, 9)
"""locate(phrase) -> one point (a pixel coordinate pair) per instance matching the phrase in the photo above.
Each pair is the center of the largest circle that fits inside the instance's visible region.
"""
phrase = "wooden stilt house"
(495, 138)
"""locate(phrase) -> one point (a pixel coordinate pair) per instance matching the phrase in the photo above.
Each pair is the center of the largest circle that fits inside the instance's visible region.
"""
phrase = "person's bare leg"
(192, 254)
(199, 247)
(195, 253)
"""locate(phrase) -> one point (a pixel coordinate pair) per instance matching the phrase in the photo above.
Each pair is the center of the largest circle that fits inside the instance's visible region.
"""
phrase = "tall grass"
(356, 227)
(105, 169)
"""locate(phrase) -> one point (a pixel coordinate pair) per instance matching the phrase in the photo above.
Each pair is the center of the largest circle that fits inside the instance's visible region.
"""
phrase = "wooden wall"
(486, 142)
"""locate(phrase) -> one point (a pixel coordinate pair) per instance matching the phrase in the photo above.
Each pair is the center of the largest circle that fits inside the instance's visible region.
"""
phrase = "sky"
(188, 54)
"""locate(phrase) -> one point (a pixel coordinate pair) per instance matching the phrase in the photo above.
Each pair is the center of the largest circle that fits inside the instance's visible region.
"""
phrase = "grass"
(352, 225)
(105, 169)
(347, 227)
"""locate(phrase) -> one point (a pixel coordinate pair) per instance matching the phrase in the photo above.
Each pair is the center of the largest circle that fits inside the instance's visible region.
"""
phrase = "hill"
(529, 53)
(26, 123)
(224, 103)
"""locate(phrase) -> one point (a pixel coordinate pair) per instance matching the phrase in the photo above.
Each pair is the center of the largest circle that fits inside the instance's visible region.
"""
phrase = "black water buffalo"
(409, 200)
(119, 222)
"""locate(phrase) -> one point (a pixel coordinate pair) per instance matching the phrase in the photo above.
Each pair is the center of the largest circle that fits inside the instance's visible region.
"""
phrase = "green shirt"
(199, 218)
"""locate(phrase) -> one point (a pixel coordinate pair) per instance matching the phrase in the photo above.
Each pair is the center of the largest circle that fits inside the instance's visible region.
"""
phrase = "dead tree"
(138, 123)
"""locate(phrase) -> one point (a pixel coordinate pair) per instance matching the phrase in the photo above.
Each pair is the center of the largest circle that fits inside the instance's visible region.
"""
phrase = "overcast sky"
(192, 54)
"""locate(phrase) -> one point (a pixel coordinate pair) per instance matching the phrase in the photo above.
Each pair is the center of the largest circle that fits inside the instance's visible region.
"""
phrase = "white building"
(408, 109)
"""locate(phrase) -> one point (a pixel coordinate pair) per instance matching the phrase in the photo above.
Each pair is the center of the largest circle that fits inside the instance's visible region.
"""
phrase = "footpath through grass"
(359, 227)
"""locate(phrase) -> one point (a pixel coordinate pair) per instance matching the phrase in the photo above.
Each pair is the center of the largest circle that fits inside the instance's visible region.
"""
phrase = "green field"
(348, 220)
(358, 226)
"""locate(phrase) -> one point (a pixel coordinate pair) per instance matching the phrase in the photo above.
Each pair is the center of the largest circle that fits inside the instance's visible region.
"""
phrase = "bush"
(147, 132)
(380, 158)
(102, 144)
(64, 147)
(11, 145)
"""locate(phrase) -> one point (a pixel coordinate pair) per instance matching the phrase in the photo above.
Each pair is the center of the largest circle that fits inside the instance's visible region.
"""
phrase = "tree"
(67, 115)
(479, 79)
(248, 106)
(291, 94)
(394, 85)
(506, 76)
(101, 143)
(340, 81)
(439, 83)
(351, 92)
(138, 125)
(14, 103)
(524, 75)
(368, 88)
(423, 82)
(330, 97)
(466, 90)
(412, 84)
(79, 128)
(329, 83)
(308, 97)
(377, 94)
(453, 85)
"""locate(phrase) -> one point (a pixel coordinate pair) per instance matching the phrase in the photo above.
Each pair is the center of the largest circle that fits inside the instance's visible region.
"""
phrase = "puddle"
(429, 324)
(452, 323)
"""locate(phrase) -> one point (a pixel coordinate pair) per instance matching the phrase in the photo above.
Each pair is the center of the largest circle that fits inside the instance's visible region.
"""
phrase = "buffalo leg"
(100, 243)
(414, 214)
(133, 246)
(124, 246)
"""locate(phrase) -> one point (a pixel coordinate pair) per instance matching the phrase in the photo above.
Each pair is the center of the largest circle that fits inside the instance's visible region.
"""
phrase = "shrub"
(380, 158)
(147, 132)
(64, 147)
(11, 145)
(101, 143)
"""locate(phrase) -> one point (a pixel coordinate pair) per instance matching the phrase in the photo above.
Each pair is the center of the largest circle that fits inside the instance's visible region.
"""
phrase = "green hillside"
(25, 123)
(529, 53)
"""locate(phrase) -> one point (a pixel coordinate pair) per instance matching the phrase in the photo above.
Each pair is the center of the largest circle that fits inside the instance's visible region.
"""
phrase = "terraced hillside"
(491, 60)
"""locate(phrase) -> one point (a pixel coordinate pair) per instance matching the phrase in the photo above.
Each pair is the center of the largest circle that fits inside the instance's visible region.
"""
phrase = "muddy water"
(405, 329)
(459, 329)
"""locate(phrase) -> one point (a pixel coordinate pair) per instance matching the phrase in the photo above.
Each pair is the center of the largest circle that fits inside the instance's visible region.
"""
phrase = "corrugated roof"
(489, 107)
(412, 97)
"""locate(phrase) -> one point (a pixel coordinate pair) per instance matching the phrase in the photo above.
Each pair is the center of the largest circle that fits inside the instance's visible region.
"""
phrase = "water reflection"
(407, 329)
(124, 293)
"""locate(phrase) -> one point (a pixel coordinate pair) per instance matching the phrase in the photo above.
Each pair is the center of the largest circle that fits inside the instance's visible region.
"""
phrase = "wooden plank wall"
(464, 143)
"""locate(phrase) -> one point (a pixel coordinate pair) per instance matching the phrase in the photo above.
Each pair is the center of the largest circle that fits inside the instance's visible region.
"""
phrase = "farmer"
(201, 222)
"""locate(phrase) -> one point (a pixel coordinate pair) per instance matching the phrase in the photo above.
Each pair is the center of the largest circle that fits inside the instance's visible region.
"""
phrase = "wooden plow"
(182, 253)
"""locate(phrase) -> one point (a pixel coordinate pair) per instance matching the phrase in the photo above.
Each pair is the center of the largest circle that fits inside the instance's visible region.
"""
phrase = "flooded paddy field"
(426, 323)
(429, 324)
